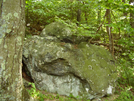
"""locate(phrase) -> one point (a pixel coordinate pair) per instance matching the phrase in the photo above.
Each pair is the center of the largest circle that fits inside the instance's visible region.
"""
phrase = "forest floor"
(46, 96)
(54, 97)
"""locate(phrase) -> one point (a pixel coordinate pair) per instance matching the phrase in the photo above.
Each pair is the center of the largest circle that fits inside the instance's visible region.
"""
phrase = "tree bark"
(111, 44)
(132, 15)
(124, 12)
(99, 16)
(12, 29)
(79, 13)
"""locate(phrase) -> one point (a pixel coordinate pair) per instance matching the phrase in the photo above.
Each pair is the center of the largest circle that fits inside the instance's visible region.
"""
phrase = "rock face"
(82, 70)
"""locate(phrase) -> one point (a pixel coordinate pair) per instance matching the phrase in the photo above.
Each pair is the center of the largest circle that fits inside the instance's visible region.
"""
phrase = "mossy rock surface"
(83, 70)
(63, 33)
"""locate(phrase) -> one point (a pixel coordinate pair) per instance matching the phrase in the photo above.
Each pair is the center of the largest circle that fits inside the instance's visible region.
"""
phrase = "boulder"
(82, 70)
(63, 33)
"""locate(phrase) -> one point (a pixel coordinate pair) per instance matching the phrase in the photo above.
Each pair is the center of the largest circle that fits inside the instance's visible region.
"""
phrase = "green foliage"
(125, 95)
(45, 11)
(42, 97)
(126, 73)
(33, 92)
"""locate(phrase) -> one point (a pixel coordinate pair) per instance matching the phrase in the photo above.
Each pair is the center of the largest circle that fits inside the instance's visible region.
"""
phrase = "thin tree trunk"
(86, 18)
(111, 44)
(99, 16)
(124, 12)
(78, 13)
(12, 28)
(85, 14)
(132, 16)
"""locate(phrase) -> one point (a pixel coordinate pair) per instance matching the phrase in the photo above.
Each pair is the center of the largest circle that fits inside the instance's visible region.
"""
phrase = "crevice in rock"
(58, 67)
(25, 73)
(67, 41)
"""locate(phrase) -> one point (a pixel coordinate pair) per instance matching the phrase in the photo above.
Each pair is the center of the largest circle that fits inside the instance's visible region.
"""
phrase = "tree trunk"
(132, 16)
(124, 12)
(86, 14)
(99, 16)
(111, 45)
(12, 28)
(79, 13)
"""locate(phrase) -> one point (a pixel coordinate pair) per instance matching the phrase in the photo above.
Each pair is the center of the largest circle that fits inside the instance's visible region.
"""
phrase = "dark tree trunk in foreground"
(12, 28)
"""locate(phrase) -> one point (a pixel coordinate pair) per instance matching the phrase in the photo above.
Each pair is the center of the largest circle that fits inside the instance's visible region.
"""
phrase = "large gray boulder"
(82, 70)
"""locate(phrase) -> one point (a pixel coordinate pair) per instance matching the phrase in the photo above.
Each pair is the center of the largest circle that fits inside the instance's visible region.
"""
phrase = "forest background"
(109, 23)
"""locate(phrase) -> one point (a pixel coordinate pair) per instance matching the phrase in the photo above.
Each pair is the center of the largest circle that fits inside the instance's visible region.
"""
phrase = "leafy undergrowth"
(45, 96)
(122, 93)
(125, 92)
